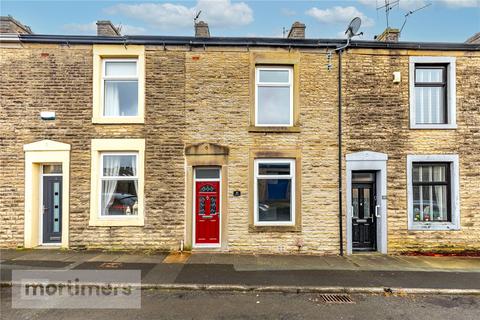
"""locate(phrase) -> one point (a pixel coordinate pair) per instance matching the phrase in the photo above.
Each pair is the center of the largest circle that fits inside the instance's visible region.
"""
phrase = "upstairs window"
(432, 93)
(274, 96)
(120, 88)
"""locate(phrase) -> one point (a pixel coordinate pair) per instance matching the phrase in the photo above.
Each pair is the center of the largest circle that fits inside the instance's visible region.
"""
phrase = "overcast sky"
(443, 20)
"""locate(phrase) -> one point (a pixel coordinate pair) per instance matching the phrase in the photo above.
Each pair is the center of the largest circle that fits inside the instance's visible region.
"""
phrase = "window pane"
(121, 68)
(274, 168)
(119, 197)
(430, 203)
(274, 76)
(429, 75)
(121, 98)
(274, 199)
(118, 165)
(203, 173)
(273, 105)
(363, 177)
(429, 173)
(52, 168)
(430, 105)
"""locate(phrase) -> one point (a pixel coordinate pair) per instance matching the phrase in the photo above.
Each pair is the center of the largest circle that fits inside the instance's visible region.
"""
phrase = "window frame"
(453, 192)
(99, 148)
(449, 63)
(101, 178)
(291, 176)
(443, 84)
(118, 78)
(290, 84)
(103, 52)
(447, 183)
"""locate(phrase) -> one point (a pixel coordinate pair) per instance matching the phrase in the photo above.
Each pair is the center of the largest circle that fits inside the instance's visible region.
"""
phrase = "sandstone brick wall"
(203, 96)
(55, 78)
(377, 119)
(217, 107)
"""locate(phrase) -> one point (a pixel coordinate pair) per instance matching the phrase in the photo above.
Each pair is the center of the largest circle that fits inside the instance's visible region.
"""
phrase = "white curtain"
(112, 99)
(111, 167)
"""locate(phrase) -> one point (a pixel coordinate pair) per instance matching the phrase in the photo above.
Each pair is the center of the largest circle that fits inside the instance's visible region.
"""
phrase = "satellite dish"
(353, 27)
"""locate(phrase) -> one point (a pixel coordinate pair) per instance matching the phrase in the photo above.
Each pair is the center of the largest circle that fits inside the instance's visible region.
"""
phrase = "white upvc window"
(274, 192)
(273, 96)
(120, 88)
(118, 184)
(433, 192)
(432, 93)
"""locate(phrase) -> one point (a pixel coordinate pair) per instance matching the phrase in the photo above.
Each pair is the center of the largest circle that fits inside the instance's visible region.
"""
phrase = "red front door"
(207, 212)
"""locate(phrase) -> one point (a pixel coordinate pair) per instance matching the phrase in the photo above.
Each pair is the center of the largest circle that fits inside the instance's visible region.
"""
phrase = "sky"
(440, 21)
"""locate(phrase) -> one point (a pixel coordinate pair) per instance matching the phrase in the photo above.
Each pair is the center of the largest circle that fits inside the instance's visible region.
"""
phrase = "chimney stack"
(106, 28)
(201, 30)
(389, 35)
(297, 31)
(11, 26)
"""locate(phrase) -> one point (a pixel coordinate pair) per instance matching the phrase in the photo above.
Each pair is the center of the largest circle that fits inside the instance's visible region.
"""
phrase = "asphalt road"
(158, 304)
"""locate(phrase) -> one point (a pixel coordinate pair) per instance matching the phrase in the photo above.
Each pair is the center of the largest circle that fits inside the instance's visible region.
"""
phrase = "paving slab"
(7, 254)
(376, 262)
(99, 265)
(200, 258)
(105, 257)
(163, 273)
(132, 258)
(339, 263)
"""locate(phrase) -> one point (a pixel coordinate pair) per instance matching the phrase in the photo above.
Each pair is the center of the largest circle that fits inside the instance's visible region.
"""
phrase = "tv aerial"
(196, 16)
(409, 13)
(388, 6)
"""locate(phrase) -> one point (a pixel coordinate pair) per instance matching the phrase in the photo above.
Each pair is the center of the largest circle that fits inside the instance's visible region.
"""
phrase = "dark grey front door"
(52, 209)
(363, 221)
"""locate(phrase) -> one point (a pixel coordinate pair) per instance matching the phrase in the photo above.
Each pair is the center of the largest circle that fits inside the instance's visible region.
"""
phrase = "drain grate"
(336, 298)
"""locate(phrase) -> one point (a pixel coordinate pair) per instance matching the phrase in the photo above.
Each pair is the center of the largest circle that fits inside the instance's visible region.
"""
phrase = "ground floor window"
(119, 184)
(433, 192)
(274, 191)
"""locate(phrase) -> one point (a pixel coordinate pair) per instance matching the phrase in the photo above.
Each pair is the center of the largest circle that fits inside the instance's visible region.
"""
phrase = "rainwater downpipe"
(339, 50)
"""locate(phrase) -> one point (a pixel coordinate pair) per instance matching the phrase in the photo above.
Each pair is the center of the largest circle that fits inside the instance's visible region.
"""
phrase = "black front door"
(52, 209)
(363, 219)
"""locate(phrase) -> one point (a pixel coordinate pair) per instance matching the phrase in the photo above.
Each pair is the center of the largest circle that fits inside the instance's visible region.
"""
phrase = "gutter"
(245, 41)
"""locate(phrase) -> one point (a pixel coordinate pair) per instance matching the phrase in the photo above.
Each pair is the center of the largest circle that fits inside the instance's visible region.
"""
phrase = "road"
(157, 304)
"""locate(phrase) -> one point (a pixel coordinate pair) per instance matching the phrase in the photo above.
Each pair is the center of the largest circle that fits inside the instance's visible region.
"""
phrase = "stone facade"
(203, 96)
(377, 119)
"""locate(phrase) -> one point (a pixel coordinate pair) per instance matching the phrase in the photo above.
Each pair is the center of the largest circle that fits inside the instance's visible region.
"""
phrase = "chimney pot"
(201, 30)
(106, 28)
(9, 25)
(297, 31)
(389, 35)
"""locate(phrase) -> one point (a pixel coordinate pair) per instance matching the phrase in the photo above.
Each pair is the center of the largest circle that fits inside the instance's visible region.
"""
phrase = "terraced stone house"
(258, 145)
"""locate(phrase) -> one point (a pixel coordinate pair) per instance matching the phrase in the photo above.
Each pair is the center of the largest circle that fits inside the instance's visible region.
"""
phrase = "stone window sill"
(274, 129)
(254, 228)
(434, 226)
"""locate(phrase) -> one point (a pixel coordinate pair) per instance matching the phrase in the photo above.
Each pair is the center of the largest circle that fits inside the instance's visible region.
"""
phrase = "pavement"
(284, 273)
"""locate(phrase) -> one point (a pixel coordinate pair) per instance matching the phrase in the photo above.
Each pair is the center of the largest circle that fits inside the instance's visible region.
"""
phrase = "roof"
(242, 41)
